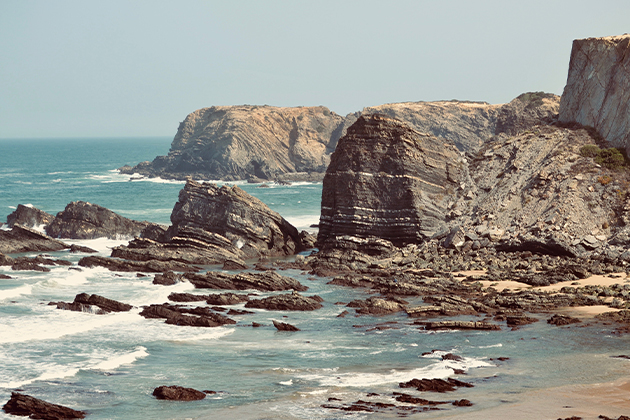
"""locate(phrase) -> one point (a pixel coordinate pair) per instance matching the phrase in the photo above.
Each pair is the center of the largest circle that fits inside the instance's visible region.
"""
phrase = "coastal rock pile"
(597, 93)
(212, 225)
(388, 181)
(29, 216)
(34, 408)
(24, 239)
(81, 220)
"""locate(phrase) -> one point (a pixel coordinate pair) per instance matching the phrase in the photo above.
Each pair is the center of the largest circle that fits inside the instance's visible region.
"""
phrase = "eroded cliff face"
(597, 93)
(270, 143)
(388, 181)
(240, 142)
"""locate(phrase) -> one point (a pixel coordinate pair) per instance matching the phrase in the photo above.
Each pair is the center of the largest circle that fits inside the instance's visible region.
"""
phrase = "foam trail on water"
(18, 291)
(124, 359)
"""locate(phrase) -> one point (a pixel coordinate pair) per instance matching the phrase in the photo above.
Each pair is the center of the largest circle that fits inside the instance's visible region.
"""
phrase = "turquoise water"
(109, 365)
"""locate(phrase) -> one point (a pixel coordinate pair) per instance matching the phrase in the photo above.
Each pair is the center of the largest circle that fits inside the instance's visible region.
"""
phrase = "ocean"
(108, 365)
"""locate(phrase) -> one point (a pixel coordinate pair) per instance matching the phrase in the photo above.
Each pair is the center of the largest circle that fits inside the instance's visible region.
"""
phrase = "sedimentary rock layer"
(386, 180)
(597, 93)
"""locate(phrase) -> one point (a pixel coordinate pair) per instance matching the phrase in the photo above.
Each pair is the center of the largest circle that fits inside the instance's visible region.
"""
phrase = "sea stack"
(597, 93)
(388, 181)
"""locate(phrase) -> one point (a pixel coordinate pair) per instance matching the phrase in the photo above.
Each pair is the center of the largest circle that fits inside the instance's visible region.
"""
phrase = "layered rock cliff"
(388, 181)
(240, 142)
(597, 93)
(212, 225)
(270, 143)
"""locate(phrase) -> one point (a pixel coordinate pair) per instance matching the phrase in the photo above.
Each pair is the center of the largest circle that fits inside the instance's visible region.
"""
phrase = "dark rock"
(560, 320)
(379, 181)
(461, 325)
(435, 385)
(451, 356)
(167, 279)
(80, 248)
(226, 299)
(94, 304)
(177, 393)
(29, 216)
(376, 306)
(234, 265)
(287, 302)
(186, 297)
(515, 321)
(256, 325)
(25, 405)
(267, 281)
(81, 220)
(409, 399)
(462, 403)
(236, 312)
(150, 266)
(175, 315)
(5, 277)
(154, 232)
(281, 326)
(24, 239)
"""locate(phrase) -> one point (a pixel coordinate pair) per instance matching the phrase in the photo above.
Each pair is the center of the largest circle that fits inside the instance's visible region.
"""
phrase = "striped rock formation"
(388, 181)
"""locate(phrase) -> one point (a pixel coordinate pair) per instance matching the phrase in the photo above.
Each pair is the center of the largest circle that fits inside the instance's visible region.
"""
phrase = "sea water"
(108, 365)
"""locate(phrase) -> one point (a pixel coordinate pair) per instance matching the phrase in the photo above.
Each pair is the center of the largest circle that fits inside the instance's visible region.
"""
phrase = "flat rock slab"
(27, 406)
(287, 302)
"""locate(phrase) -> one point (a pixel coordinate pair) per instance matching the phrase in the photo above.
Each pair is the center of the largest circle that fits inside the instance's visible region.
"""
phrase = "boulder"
(176, 315)
(376, 306)
(167, 279)
(25, 405)
(82, 220)
(29, 216)
(287, 302)
(560, 320)
(266, 281)
(283, 326)
(94, 304)
(596, 93)
(388, 181)
(226, 299)
(435, 385)
(177, 393)
(23, 239)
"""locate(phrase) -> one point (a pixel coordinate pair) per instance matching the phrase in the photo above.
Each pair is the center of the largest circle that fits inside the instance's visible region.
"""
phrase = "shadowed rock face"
(386, 180)
(25, 405)
(29, 216)
(597, 93)
(81, 220)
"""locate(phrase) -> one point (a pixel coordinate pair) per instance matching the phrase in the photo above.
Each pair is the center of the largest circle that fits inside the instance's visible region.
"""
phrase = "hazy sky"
(137, 68)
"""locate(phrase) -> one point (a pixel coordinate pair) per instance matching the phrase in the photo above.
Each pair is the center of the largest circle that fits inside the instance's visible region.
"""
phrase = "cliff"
(386, 180)
(597, 93)
(240, 142)
(270, 143)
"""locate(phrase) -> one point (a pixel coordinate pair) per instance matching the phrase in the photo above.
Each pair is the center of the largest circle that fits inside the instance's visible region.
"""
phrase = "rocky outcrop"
(435, 385)
(24, 239)
(34, 408)
(94, 304)
(239, 142)
(263, 143)
(388, 181)
(283, 326)
(287, 302)
(178, 315)
(81, 220)
(29, 216)
(212, 225)
(466, 124)
(527, 111)
(178, 393)
(597, 93)
(267, 281)
(150, 266)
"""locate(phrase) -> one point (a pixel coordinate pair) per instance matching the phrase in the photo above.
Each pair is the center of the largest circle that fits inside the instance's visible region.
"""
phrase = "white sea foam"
(25, 289)
(491, 346)
(286, 383)
(442, 369)
(124, 359)
(303, 221)
(102, 245)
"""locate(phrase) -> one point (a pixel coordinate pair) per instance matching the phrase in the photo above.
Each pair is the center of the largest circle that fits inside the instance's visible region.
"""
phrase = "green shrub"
(590, 150)
(611, 158)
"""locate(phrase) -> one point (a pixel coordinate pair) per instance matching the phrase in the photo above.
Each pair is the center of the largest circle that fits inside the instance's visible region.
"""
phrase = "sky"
(137, 68)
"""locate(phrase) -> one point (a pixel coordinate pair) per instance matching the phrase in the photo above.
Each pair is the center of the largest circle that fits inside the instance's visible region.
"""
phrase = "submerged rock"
(178, 393)
(25, 405)
(82, 220)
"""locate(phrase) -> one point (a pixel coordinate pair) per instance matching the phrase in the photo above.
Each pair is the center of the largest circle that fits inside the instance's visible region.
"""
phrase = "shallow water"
(110, 364)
